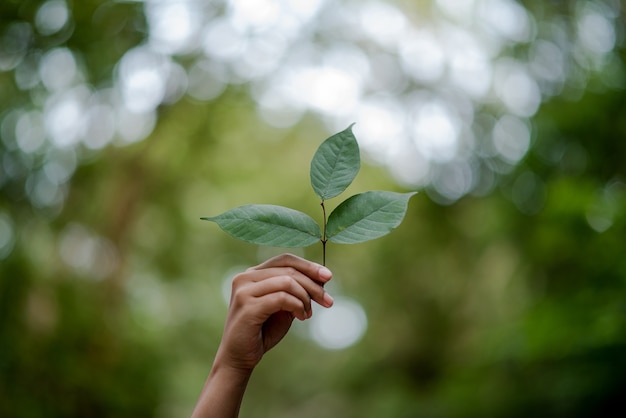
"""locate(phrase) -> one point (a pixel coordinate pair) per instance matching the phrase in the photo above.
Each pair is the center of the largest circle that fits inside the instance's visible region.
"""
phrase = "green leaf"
(335, 164)
(366, 216)
(269, 225)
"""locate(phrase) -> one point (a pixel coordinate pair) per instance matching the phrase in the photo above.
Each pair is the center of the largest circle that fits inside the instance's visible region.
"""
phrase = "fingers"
(264, 298)
(311, 276)
(291, 278)
(314, 271)
(284, 286)
(271, 303)
(286, 283)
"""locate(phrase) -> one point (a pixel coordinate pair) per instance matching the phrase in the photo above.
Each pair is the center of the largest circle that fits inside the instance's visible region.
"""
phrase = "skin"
(265, 300)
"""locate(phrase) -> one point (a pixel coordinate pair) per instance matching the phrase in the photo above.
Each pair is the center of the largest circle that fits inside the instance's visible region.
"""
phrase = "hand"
(264, 301)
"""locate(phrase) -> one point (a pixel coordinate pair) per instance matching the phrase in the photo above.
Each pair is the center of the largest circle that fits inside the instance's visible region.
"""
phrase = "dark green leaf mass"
(335, 164)
(367, 216)
(269, 225)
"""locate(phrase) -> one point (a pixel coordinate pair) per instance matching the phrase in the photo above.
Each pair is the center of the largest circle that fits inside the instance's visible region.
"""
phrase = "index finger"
(315, 271)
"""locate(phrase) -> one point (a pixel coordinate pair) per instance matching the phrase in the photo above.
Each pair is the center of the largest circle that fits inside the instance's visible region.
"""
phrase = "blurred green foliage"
(505, 305)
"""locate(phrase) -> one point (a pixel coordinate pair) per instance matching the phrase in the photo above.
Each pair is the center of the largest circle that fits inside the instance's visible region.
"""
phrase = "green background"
(486, 306)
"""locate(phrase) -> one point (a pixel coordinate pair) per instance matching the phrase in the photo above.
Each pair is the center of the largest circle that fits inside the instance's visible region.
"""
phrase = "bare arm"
(264, 302)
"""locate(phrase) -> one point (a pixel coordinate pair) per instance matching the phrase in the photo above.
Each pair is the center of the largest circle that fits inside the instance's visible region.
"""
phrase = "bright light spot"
(60, 165)
(462, 10)
(205, 80)
(143, 77)
(227, 282)
(14, 43)
(58, 69)
(63, 117)
(472, 73)
(507, 18)
(327, 90)
(87, 253)
(175, 83)
(601, 213)
(261, 57)
(547, 61)
(254, 14)
(348, 59)
(340, 326)
(422, 57)
(133, 127)
(517, 89)
(382, 22)
(598, 218)
(470, 68)
(454, 180)
(349, 64)
(7, 235)
(173, 26)
(409, 167)
(30, 133)
(27, 73)
(42, 192)
(303, 10)
(511, 138)
(51, 17)
(385, 75)
(149, 301)
(380, 127)
(222, 41)
(277, 109)
(100, 120)
(8, 129)
(595, 32)
(435, 131)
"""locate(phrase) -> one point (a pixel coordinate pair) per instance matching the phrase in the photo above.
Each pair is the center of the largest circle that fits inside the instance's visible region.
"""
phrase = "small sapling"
(362, 217)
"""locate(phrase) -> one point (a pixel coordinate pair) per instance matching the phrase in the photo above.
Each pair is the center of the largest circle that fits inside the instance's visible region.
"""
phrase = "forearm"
(264, 302)
(222, 393)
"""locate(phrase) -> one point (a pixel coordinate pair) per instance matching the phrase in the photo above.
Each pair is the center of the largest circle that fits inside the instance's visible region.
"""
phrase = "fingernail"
(325, 273)
(328, 299)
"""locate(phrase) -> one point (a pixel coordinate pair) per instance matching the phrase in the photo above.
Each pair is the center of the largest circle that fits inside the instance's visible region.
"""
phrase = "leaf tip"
(349, 129)
(409, 195)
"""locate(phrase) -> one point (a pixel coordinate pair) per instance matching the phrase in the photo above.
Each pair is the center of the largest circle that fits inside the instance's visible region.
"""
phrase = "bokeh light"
(340, 326)
(91, 256)
(123, 122)
(7, 235)
(415, 79)
(51, 17)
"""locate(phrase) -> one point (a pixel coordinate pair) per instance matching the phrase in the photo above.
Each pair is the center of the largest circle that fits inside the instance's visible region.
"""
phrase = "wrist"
(223, 391)
(225, 370)
(237, 364)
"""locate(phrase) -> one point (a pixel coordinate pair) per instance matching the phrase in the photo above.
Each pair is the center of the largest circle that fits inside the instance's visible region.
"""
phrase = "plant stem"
(323, 234)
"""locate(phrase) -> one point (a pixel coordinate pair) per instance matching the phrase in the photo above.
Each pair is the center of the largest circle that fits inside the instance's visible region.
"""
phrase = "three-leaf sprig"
(362, 217)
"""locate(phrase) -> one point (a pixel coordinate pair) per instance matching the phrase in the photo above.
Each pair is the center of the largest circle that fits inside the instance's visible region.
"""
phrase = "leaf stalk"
(323, 239)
